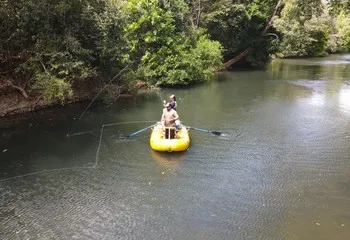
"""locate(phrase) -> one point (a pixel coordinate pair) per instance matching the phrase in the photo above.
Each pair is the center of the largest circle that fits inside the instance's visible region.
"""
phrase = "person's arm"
(162, 119)
(175, 115)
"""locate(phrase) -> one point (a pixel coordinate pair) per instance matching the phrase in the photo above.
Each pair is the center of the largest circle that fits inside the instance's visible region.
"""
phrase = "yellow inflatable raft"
(158, 142)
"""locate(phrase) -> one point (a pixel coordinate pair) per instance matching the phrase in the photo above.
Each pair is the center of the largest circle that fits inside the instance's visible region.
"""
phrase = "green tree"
(342, 24)
(50, 45)
(241, 25)
(336, 6)
(339, 18)
(304, 30)
(161, 52)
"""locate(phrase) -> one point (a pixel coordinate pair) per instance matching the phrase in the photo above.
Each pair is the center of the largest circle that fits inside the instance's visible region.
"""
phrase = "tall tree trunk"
(232, 61)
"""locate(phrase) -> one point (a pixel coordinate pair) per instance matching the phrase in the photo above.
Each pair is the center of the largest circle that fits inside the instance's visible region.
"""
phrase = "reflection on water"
(280, 170)
(334, 68)
(318, 99)
(169, 162)
(336, 62)
(344, 100)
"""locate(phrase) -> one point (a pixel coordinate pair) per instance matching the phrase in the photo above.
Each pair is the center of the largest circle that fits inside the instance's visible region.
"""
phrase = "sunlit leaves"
(336, 6)
(162, 52)
(342, 25)
(52, 87)
(302, 10)
(299, 40)
(304, 27)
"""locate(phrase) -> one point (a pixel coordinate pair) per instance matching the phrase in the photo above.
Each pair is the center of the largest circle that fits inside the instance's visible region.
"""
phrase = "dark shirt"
(173, 105)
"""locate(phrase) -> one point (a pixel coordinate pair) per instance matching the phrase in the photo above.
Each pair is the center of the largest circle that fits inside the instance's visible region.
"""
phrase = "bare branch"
(42, 64)
(21, 90)
(235, 59)
(199, 13)
(272, 34)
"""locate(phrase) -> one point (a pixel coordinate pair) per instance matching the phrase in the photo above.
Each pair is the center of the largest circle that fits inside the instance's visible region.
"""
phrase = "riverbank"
(13, 103)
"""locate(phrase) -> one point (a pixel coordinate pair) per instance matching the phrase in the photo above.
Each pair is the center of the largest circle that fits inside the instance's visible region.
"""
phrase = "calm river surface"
(281, 169)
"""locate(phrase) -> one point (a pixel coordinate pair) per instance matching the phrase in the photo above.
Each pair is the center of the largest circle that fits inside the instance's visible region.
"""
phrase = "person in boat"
(173, 102)
(173, 105)
(168, 119)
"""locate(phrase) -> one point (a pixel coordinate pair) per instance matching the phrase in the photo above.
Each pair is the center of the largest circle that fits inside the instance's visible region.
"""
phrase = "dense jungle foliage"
(49, 46)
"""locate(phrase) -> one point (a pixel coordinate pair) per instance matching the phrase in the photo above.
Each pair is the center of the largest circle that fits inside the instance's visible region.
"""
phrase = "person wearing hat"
(168, 119)
(173, 102)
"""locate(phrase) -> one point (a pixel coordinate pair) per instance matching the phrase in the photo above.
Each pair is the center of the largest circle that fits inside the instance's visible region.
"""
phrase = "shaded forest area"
(60, 51)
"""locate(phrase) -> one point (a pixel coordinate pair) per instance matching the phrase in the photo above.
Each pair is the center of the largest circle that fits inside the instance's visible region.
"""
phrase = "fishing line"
(107, 125)
(120, 72)
(44, 171)
(101, 134)
(102, 90)
(97, 151)
(96, 155)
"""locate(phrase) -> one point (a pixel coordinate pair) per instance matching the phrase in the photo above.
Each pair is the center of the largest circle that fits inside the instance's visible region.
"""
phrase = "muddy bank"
(12, 102)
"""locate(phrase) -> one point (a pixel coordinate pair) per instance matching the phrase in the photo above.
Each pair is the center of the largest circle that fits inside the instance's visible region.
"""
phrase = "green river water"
(280, 170)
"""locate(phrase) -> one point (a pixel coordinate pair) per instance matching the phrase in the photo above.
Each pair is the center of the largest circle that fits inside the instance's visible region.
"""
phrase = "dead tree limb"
(236, 58)
(20, 89)
(232, 61)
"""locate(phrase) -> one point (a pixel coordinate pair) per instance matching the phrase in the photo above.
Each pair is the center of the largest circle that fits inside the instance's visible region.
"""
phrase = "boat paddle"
(209, 131)
(139, 131)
